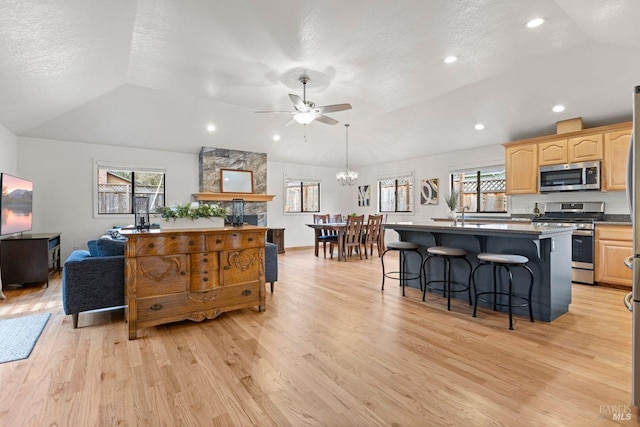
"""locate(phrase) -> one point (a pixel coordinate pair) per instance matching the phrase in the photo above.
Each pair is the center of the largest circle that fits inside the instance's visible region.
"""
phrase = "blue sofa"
(94, 279)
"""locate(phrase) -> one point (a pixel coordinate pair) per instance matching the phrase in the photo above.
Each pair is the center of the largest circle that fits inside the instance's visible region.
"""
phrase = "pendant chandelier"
(347, 177)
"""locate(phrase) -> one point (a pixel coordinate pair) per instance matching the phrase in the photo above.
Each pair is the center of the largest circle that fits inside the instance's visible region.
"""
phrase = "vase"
(452, 215)
(188, 223)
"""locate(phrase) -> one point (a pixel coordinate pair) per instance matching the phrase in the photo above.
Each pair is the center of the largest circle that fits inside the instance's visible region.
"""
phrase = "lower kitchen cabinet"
(614, 243)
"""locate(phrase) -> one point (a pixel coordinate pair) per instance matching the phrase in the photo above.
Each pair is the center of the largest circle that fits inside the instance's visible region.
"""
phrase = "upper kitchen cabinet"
(553, 152)
(521, 165)
(614, 166)
(608, 144)
(585, 148)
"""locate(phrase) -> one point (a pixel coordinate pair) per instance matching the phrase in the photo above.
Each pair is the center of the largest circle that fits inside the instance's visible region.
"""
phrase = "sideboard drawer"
(205, 273)
(235, 241)
(174, 306)
(164, 245)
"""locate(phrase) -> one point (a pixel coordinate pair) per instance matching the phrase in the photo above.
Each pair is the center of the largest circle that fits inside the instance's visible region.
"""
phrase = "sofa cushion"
(93, 247)
(108, 247)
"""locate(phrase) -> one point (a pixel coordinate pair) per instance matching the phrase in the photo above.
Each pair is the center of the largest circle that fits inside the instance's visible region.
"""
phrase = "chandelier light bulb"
(347, 177)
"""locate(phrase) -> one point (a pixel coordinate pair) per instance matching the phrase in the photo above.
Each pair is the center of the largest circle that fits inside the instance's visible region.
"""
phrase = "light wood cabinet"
(173, 275)
(522, 169)
(585, 148)
(613, 244)
(553, 153)
(609, 144)
(614, 166)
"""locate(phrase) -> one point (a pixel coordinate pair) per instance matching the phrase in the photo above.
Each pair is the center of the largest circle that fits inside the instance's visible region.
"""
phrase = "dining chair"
(333, 219)
(373, 234)
(353, 235)
(323, 236)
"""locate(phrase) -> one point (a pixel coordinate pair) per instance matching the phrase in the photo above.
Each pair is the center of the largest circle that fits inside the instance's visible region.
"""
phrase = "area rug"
(19, 335)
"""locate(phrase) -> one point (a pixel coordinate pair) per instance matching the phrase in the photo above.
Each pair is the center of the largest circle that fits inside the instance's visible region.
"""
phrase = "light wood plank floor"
(331, 349)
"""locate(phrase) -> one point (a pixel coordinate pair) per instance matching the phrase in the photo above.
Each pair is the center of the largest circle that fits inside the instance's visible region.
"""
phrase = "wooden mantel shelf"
(227, 197)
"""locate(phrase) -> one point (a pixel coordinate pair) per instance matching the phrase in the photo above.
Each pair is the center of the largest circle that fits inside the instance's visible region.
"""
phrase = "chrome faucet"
(464, 208)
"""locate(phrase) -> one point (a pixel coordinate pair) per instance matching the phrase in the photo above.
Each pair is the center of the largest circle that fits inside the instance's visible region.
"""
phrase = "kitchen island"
(547, 246)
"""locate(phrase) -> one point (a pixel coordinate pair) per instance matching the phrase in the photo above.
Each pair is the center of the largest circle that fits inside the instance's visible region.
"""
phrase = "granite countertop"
(610, 219)
(493, 228)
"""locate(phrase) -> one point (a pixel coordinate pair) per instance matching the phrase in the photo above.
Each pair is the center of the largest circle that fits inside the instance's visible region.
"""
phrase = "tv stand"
(29, 258)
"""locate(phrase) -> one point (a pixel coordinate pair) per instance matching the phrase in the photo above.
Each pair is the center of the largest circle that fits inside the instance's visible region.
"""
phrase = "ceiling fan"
(306, 111)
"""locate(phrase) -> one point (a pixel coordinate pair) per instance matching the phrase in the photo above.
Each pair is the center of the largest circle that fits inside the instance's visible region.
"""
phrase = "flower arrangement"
(452, 200)
(192, 210)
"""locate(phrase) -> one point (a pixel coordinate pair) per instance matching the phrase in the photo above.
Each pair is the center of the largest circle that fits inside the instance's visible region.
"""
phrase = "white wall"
(334, 199)
(8, 152)
(62, 175)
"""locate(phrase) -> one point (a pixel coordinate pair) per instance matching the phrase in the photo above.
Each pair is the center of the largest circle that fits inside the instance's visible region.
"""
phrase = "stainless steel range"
(582, 215)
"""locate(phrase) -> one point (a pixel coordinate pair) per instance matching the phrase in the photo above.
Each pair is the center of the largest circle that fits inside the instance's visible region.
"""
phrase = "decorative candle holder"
(237, 212)
(141, 212)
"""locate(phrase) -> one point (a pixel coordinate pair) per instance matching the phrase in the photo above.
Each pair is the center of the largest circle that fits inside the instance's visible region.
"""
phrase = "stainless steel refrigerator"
(633, 196)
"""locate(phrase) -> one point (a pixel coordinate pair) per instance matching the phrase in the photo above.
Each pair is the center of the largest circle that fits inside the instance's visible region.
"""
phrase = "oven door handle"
(582, 233)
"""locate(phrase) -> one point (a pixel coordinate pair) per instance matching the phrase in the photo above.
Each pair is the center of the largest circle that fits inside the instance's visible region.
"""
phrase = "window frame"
(479, 169)
(129, 167)
(302, 181)
(411, 193)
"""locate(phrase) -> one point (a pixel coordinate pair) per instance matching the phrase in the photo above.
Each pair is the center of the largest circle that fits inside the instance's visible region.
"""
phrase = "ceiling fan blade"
(288, 112)
(333, 108)
(290, 122)
(297, 102)
(326, 119)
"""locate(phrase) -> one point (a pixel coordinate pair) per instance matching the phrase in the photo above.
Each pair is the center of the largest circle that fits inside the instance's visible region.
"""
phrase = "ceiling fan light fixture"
(305, 118)
(347, 177)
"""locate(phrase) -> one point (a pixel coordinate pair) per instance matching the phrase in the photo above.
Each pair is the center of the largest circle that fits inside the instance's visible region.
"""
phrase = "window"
(395, 194)
(482, 189)
(117, 187)
(301, 196)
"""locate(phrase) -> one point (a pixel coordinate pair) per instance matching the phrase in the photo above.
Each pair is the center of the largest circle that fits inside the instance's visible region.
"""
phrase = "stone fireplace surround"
(211, 160)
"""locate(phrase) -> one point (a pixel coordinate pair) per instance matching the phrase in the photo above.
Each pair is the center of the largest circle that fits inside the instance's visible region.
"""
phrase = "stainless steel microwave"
(569, 177)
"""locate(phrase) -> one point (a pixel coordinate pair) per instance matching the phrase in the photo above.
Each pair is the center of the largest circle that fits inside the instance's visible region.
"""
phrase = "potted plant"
(452, 203)
(192, 215)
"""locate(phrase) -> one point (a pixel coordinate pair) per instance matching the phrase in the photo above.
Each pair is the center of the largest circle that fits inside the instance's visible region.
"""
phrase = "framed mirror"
(236, 181)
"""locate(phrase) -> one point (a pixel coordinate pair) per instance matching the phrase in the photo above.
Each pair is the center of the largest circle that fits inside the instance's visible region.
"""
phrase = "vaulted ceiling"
(155, 73)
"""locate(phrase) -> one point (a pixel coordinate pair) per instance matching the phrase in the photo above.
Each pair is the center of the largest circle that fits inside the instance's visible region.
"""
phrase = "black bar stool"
(403, 275)
(447, 254)
(505, 261)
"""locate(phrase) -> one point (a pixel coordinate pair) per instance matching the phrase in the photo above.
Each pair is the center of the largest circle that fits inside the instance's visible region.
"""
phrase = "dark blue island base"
(548, 248)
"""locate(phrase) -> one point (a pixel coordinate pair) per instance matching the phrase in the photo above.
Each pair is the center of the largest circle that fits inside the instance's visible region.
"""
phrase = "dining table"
(339, 227)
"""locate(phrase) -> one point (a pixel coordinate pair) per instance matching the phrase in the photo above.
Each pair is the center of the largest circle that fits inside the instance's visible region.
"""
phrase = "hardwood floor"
(331, 349)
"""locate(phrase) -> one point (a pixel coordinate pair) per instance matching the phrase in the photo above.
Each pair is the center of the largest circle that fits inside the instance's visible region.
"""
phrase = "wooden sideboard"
(173, 275)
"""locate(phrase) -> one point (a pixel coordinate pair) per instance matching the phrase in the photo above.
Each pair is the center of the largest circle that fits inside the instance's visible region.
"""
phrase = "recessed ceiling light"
(558, 108)
(276, 137)
(211, 127)
(535, 22)
(479, 126)
(450, 59)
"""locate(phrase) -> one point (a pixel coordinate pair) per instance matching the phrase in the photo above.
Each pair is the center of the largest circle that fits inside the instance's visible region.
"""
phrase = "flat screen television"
(16, 204)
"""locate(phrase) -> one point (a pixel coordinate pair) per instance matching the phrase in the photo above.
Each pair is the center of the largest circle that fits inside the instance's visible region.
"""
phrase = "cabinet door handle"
(151, 245)
(205, 260)
(206, 279)
(218, 241)
(250, 239)
(156, 307)
(191, 243)
(183, 273)
(246, 292)
(235, 234)
(227, 267)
